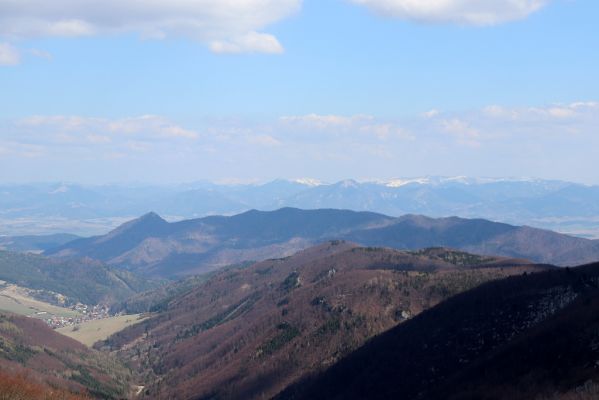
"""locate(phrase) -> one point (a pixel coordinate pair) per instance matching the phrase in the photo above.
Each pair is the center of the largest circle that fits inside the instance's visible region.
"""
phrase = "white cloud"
(226, 26)
(9, 55)
(431, 113)
(77, 130)
(494, 141)
(552, 112)
(324, 121)
(348, 126)
(264, 140)
(463, 131)
(251, 42)
(463, 12)
(153, 125)
(498, 124)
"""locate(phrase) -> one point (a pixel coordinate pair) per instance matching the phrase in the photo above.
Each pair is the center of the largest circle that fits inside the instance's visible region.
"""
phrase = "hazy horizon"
(307, 181)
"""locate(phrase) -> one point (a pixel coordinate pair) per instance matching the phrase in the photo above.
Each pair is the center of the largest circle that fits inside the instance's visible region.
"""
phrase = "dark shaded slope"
(517, 338)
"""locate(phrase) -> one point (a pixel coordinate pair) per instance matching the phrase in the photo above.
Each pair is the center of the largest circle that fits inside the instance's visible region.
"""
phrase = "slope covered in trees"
(247, 333)
(80, 280)
(49, 360)
(524, 337)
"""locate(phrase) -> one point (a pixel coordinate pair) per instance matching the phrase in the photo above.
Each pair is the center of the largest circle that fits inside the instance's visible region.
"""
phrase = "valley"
(20, 301)
(91, 331)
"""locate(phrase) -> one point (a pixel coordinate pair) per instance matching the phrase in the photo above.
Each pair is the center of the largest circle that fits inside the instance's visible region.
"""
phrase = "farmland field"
(90, 332)
(17, 300)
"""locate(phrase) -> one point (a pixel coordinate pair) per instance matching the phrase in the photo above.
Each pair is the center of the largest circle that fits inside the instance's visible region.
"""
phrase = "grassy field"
(90, 332)
(16, 300)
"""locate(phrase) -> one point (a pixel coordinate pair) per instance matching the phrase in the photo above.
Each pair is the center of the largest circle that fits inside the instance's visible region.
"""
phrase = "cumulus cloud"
(9, 55)
(226, 26)
(463, 12)
(499, 123)
(431, 113)
(340, 125)
(251, 42)
(86, 130)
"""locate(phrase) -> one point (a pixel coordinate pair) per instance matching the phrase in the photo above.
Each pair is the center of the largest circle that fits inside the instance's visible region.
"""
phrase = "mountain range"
(297, 304)
(247, 333)
(84, 210)
(154, 247)
(333, 285)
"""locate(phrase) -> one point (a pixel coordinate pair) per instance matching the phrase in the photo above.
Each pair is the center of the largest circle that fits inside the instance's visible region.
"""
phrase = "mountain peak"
(145, 225)
(149, 220)
(151, 216)
(308, 182)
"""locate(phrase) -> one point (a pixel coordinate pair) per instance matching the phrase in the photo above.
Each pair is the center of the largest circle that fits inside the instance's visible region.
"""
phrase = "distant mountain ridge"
(154, 247)
(549, 204)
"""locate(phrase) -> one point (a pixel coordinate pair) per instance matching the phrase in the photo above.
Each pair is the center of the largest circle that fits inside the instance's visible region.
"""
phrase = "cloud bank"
(226, 26)
(553, 141)
(462, 12)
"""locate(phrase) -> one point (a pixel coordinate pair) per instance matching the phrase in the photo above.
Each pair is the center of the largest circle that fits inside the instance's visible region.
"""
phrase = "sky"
(251, 90)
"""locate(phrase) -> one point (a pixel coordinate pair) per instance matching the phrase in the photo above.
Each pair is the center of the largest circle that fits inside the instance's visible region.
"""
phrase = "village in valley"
(84, 312)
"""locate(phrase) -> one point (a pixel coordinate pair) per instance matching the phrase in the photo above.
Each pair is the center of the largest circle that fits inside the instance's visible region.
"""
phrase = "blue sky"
(260, 89)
